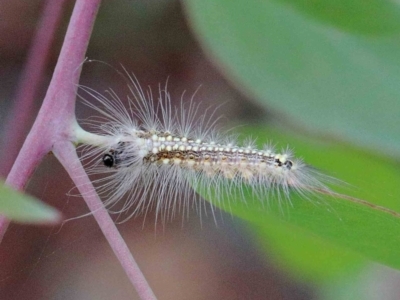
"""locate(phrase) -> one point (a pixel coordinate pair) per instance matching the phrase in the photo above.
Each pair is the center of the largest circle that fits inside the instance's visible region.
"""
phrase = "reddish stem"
(29, 84)
(57, 113)
(66, 154)
(53, 131)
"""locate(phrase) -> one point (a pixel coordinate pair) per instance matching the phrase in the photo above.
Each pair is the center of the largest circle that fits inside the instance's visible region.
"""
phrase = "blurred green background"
(319, 76)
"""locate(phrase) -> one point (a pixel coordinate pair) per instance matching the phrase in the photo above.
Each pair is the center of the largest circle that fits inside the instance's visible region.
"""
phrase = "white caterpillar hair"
(159, 155)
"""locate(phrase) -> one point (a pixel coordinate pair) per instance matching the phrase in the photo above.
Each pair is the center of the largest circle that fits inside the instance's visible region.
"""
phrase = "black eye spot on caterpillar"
(108, 160)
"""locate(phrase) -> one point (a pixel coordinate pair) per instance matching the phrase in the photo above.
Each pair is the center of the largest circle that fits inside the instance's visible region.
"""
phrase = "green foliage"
(23, 208)
(332, 66)
(319, 237)
(367, 17)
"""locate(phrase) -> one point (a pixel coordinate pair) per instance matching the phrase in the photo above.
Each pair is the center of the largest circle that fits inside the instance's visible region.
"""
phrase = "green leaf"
(370, 17)
(324, 236)
(23, 208)
(318, 74)
(303, 254)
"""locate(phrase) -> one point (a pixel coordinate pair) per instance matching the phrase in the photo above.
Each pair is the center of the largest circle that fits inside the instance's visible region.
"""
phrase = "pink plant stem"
(26, 92)
(53, 130)
(66, 153)
(57, 113)
(30, 81)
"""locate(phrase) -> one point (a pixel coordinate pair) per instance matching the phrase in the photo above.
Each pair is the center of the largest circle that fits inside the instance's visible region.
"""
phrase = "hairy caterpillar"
(159, 156)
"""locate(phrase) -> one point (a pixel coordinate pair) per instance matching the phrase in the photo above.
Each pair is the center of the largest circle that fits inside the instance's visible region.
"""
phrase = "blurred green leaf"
(369, 17)
(23, 208)
(322, 236)
(303, 254)
(318, 74)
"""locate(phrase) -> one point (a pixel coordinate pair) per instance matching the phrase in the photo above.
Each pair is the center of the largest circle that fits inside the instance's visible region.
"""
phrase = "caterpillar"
(159, 156)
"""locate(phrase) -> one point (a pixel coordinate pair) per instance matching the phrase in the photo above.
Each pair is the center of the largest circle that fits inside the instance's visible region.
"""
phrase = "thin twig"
(29, 84)
(54, 130)
(66, 154)
(57, 114)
